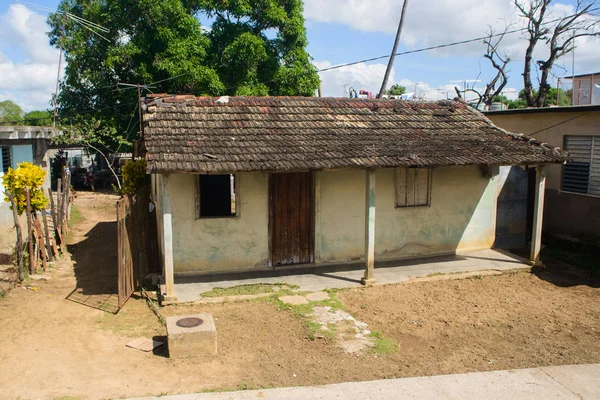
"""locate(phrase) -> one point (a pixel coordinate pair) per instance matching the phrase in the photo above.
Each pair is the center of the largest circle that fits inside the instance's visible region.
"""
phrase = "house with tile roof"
(244, 184)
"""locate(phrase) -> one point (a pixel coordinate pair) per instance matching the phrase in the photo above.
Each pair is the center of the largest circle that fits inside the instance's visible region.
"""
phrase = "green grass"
(383, 345)
(1, 293)
(76, 216)
(240, 290)
(134, 319)
(302, 311)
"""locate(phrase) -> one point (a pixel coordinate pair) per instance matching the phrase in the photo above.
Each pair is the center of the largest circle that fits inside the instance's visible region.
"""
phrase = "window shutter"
(594, 184)
(422, 186)
(401, 189)
(412, 186)
(576, 173)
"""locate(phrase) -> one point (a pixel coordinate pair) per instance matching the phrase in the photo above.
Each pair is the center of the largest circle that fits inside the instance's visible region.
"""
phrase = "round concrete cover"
(190, 322)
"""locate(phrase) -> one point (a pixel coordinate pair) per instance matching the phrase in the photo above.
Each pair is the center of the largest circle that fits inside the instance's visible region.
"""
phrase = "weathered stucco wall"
(220, 244)
(569, 214)
(558, 124)
(461, 215)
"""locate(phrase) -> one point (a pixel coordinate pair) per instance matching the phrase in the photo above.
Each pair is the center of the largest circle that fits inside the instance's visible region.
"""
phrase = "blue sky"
(339, 31)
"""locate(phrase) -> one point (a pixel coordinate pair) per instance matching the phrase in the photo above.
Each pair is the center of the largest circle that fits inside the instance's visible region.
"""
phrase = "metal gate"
(137, 242)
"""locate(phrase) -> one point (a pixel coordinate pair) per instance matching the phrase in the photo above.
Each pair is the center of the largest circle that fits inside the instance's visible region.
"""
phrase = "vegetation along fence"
(137, 241)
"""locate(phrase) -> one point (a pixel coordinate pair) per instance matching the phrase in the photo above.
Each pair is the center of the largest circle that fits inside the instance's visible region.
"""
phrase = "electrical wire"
(429, 48)
(560, 123)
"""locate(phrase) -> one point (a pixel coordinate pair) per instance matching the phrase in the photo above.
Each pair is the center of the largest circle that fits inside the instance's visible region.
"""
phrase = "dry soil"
(54, 348)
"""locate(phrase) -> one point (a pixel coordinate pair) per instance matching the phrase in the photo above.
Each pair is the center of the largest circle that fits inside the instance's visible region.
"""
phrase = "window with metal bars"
(6, 159)
(582, 174)
(413, 187)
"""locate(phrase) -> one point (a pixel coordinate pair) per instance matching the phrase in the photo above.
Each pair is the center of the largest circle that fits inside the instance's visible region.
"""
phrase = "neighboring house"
(20, 144)
(255, 183)
(572, 190)
(586, 89)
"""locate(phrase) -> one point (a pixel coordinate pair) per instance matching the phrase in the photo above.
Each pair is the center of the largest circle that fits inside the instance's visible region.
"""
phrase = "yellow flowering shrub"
(134, 176)
(26, 175)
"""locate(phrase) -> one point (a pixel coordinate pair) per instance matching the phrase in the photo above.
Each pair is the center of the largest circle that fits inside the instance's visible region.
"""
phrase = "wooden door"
(291, 218)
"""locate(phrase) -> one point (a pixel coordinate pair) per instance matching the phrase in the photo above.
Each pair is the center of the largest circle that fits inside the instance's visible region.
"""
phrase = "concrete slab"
(317, 296)
(531, 384)
(318, 278)
(583, 380)
(294, 300)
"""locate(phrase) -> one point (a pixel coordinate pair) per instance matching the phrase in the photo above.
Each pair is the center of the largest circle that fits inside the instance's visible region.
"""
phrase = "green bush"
(26, 175)
(134, 176)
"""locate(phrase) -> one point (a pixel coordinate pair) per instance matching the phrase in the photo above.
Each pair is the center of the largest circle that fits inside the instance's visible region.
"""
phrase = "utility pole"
(60, 43)
(391, 62)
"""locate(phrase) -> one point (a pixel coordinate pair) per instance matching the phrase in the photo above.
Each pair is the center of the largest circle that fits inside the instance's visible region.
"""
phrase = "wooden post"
(30, 233)
(168, 239)
(52, 208)
(369, 277)
(538, 215)
(39, 236)
(59, 199)
(19, 235)
(47, 235)
(66, 202)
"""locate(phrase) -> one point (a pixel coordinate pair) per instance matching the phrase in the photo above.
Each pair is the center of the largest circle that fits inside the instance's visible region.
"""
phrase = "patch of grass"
(313, 329)
(383, 345)
(302, 311)
(435, 274)
(247, 385)
(76, 216)
(68, 398)
(134, 319)
(257, 288)
(1, 293)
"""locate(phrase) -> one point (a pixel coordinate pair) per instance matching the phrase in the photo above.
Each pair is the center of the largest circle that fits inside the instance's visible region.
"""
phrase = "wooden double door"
(291, 218)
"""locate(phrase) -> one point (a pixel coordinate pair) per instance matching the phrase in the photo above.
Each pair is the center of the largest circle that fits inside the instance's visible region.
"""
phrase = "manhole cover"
(190, 322)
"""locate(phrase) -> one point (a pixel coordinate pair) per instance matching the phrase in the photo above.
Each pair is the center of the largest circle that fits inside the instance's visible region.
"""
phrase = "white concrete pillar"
(369, 277)
(169, 294)
(538, 214)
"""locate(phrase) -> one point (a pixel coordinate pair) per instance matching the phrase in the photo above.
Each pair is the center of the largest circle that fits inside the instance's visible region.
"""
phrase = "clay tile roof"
(231, 134)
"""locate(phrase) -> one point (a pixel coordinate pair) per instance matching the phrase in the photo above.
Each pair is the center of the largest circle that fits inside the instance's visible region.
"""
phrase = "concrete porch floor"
(188, 288)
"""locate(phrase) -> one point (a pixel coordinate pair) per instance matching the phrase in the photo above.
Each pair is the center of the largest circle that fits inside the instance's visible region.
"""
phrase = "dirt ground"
(55, 348)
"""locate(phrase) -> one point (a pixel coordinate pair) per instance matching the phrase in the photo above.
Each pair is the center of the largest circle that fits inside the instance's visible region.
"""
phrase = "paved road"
(565, 383)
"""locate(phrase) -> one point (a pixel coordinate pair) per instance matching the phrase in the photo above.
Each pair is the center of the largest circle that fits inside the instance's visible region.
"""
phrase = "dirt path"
(53, 347)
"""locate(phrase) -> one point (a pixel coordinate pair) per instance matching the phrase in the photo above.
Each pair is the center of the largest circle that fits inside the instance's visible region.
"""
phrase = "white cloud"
(29, 78)
(435, 22)
(359, 76)
(335, 83)
(426, 23)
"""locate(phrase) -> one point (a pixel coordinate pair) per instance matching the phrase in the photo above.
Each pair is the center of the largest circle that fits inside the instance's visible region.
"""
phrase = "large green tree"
(10, 113)
(38, 118)
(253, 47)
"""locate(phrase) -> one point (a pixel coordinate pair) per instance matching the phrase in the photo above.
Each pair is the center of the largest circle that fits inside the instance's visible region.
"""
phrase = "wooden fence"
(137, 242)
(43, 238)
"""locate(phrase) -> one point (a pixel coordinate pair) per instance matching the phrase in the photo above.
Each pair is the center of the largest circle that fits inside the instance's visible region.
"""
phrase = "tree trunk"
(396, 41)
(30, 234)
(19, 246)
(528, 87)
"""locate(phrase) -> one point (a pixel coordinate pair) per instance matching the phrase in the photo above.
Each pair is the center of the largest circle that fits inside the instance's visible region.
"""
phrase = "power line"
(560, 123)
(445, 45)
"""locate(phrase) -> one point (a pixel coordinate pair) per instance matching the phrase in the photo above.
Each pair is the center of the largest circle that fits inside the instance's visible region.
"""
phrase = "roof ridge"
(520, 136)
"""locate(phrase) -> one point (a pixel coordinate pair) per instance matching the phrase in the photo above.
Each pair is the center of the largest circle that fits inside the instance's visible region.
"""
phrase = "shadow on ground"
(567, 264)
(95, 266)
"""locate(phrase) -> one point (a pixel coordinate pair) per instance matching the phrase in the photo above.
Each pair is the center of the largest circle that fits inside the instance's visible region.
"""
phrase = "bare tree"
(494, 87)
(560, 38)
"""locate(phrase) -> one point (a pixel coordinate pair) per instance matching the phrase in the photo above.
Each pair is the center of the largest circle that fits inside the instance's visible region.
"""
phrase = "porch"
(189, 288)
